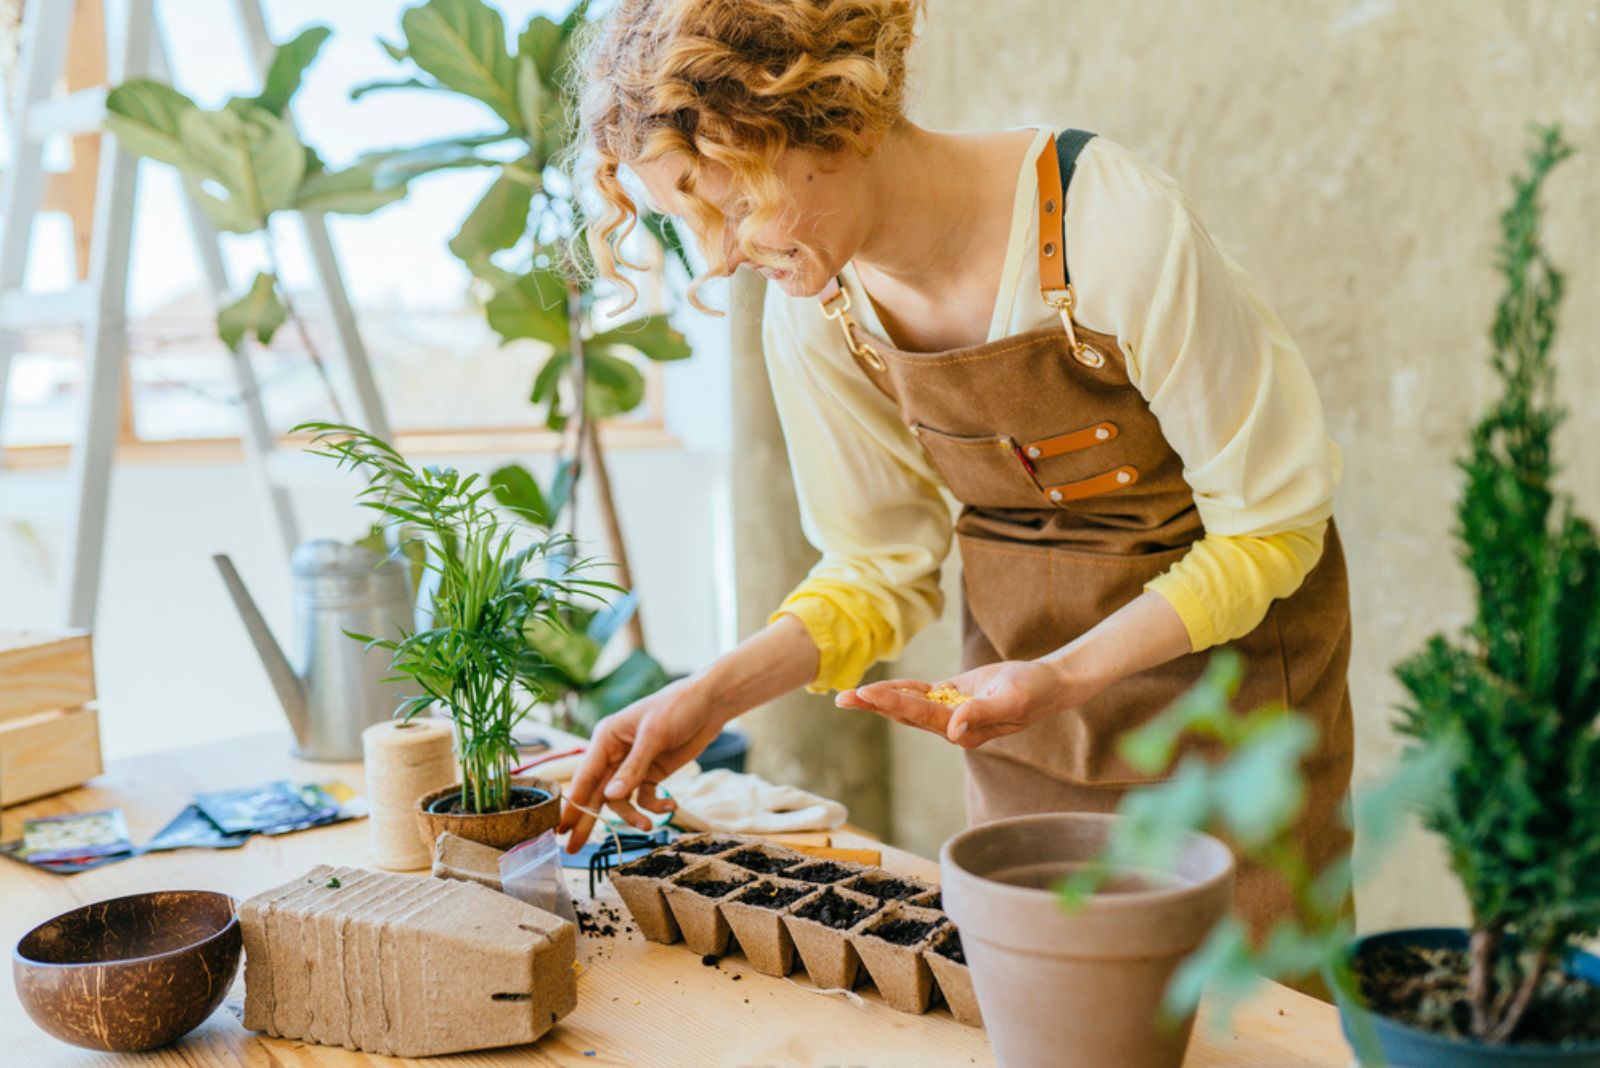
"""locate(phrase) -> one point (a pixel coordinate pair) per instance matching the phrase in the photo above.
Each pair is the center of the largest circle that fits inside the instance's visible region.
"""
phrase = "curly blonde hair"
(732, 82)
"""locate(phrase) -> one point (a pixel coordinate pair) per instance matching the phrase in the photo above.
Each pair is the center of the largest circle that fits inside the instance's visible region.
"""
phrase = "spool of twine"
(404, 761)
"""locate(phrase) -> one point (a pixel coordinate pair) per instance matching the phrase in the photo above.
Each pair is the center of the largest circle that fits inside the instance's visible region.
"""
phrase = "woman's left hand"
(1005, 698)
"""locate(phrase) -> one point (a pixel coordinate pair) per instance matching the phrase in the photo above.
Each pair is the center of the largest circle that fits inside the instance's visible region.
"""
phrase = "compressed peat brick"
(949, 965)
(755, 914)
(639, 884)
(406, 967)
(455, 857)
(820, 926)
(695, 897)
(890, 945)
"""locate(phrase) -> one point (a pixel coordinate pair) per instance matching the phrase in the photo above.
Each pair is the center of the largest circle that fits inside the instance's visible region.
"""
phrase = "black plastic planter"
(1404, 1046)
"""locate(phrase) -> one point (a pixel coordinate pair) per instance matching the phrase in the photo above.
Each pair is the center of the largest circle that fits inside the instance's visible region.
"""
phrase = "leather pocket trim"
(1109, 482)
(1061, 444)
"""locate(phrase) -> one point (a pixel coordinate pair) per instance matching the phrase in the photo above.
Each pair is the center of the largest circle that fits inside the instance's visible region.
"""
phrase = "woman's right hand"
(635, 749)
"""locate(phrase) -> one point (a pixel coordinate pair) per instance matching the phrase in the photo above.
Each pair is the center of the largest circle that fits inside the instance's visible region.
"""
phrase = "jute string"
(404, 761)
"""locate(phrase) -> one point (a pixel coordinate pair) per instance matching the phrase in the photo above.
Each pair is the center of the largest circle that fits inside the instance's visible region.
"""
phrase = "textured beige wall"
(1353, 156)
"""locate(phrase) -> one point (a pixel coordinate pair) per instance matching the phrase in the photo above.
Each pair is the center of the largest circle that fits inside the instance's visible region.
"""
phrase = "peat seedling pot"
(949, 964)
(756, 914)
(695, 896)
(890, 946)
(1406, 1044)
(535, 808)
(820, 926)
(639, 883)
(1080, 989)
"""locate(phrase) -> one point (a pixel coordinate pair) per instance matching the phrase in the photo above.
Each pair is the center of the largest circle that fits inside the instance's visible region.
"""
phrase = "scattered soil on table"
(657, 865)
(521, 797)
(714, 887)
(903, 931)
(825, 872)
(765, 863)
(949, 947)
(773, 896)
(707, 845)
(603, 922)
(888, 889)
(832, 909)
(1427, 988)
(710, 960)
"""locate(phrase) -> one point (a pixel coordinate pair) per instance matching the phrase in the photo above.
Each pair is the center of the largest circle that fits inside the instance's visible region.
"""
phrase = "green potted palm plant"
(471, 658)
(1517, 695)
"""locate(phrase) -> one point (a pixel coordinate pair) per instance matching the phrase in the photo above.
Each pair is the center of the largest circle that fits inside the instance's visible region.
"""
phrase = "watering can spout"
(290, 688)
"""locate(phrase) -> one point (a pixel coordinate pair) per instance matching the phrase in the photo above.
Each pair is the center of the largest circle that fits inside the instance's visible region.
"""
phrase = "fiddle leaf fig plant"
(244, 163)
(492, 586)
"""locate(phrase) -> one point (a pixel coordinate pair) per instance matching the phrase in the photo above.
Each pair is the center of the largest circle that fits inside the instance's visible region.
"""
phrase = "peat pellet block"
(890, 945)
(826, 872)
(639, 885)
(763, 859)
(695, 896)
(706, 845)
(455, 857)
(407, 967)
(885, 887)
(820, 925)
(755, 914)
(949, 965)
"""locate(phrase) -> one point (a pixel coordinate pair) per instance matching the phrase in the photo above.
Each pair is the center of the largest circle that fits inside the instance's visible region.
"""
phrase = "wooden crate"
(49, 723)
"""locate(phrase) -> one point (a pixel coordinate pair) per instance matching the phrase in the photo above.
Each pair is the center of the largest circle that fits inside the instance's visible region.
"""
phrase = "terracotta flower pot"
(1083, 989)
(1404, 1044)
(502, 830)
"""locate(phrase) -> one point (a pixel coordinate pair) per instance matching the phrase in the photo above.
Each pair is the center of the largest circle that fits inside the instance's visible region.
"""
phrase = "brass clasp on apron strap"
(838, 307)
(1064, 303)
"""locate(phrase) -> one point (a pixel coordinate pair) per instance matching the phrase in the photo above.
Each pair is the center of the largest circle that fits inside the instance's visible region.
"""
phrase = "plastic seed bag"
(532, 873)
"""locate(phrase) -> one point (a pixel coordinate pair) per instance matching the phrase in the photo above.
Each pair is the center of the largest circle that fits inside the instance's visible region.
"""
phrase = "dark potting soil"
(903, 931)
(1426, 987)
(765, 863)
(521, 797)
(832, 909)
(707, 845)
(772, 896)
(950, 947)
(889, 889)
(714, 887)
(825, 872)
(937, 902)
(657, 865)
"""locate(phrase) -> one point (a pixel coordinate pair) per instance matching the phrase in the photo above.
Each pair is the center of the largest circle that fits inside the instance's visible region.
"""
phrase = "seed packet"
(62, 867)
(75, 836)
(266, 808)
(190, 829)
(327, 802)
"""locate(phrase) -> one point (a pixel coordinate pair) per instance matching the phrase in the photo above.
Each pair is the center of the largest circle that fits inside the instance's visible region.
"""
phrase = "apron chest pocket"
(984, 471)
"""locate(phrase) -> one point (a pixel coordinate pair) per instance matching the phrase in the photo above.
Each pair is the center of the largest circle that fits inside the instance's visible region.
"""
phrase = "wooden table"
(639, 1003)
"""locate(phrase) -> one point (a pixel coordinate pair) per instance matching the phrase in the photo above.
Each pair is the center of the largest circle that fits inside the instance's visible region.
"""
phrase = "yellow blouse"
(1217, 367)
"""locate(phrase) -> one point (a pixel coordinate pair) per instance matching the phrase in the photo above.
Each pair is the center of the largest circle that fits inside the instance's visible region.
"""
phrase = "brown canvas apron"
(1073, 500)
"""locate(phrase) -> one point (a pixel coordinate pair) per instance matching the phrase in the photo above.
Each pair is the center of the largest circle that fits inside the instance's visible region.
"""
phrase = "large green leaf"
(534, 306)
(397, 166)
(359, 91)
(289, 64)
(515, 487)
(636, 677)
(462, 43)
(571, 653)
(258, 312)
(652, 337)
(500, 218)
(146, 117)
(666, 232)
(541, 41)
(352, 191)
(252, 154)
(612, 385)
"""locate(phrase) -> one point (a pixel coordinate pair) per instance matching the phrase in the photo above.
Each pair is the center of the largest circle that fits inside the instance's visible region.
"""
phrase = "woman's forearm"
(770, 663)
(1141, 634)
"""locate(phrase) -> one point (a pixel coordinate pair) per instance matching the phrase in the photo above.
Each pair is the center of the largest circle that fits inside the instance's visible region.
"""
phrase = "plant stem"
(1531, 979)
(300, 324)
(608, 515)
(1482, 949)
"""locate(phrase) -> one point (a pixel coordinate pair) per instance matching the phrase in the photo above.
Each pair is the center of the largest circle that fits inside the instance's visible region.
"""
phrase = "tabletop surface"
(639, 1003)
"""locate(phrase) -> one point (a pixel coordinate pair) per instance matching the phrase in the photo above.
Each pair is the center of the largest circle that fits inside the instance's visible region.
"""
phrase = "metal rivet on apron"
(1102, 433)
(1055, 495)
(1050, 248)
(1124, 477)
(1033, 453)
(1050, 207)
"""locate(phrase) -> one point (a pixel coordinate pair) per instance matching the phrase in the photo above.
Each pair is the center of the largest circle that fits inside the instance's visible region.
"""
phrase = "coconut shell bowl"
(131, 973)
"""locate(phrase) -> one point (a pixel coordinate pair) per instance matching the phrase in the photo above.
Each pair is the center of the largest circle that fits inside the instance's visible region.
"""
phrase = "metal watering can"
(333, 689)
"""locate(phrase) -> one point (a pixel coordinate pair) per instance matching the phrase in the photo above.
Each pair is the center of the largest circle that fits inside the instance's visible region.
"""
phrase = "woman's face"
(822, 225)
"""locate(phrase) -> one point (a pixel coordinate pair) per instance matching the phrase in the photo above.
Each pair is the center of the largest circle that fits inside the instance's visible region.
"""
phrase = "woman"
(1031, 319)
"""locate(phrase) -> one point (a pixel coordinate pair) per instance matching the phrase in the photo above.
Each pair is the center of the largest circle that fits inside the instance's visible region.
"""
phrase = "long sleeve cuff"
(850, 633)
(1223, 586)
